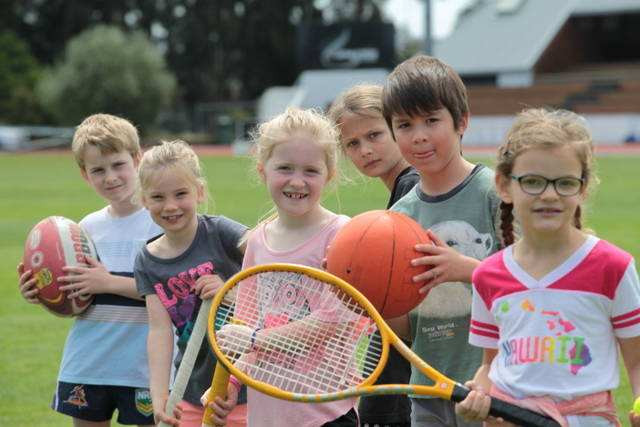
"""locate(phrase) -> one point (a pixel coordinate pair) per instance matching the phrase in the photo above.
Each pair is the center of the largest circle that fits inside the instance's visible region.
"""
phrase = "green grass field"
(36, 186)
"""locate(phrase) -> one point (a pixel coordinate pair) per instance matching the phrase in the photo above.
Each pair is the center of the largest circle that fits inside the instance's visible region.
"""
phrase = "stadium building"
(582, 55)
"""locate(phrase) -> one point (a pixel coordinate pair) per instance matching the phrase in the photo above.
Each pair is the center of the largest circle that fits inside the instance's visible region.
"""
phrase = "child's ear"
(201, 193)
(83, 173)
(260, 169)
(463, 124)
(503, 189)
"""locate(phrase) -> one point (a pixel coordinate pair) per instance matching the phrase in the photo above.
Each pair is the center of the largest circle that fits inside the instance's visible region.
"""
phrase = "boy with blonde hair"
(425, 105)
(104, 364)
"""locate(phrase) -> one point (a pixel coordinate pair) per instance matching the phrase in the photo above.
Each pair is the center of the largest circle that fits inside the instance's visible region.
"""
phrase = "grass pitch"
(39, 185)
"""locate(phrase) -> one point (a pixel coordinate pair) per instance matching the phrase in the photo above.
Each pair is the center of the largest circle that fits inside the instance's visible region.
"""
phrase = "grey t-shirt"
(465, 218)
(214, 250)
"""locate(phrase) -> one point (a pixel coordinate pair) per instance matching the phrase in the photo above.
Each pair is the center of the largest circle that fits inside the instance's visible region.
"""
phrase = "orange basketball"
(373, 253)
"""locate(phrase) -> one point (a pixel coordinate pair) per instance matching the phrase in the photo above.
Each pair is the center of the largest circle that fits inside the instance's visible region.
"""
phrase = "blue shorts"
(98, 402)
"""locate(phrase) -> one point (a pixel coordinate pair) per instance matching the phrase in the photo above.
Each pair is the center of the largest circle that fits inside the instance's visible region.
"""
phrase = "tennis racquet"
(308, 336)
(188, 360)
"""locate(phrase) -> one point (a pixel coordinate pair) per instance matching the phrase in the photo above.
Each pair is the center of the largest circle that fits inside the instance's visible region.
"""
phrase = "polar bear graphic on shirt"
(453, 299)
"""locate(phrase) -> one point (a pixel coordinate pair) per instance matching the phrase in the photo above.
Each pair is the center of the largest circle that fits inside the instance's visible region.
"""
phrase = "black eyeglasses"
(536, 184)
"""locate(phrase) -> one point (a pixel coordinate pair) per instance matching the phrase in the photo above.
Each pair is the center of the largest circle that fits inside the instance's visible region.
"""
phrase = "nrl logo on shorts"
(77, 397)
(143, 402)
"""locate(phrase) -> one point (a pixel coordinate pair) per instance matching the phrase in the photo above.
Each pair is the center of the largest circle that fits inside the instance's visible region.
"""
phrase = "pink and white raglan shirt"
(556, 336)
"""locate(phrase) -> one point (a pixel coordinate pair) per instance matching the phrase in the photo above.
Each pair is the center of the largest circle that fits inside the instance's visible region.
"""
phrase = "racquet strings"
(313, 337)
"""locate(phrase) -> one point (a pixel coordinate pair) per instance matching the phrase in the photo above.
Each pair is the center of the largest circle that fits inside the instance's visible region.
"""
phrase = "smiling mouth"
(172, 218)
(424, 154)
(294, 195)
(547, 210)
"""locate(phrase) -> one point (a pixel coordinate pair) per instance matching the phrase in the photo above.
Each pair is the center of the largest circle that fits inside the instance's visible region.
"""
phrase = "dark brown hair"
(423, 84)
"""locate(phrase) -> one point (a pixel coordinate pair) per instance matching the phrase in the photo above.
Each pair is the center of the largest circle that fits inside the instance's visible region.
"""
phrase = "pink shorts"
(192, 415)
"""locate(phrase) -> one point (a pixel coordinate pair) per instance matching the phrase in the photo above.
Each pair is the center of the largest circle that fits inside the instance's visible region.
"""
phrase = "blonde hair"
(294, 121)
(363, 100)
(175, 154)
(109, 134)
(539, 128)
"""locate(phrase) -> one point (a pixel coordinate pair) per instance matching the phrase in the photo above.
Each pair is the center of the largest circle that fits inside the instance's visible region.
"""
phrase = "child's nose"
(420, 134)
(110, 175)
(549, 192)
(297, 179)
(365, 150)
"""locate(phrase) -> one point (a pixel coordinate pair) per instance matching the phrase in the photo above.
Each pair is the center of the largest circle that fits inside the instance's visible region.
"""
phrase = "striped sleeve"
(483, 331)
(625, 317)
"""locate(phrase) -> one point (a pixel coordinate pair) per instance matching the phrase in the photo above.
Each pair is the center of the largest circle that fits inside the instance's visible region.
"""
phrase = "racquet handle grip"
(218, 388)
(507, 411)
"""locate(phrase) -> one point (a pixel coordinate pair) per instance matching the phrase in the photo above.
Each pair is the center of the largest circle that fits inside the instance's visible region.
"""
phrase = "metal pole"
(428, 45)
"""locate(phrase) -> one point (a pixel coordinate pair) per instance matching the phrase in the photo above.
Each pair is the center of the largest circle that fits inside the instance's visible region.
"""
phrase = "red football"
(51, 244)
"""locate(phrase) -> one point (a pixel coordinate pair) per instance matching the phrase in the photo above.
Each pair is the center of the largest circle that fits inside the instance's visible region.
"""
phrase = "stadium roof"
(494, 36)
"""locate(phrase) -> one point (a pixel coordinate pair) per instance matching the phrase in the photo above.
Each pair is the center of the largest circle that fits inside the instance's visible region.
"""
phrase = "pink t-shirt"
(264, 410)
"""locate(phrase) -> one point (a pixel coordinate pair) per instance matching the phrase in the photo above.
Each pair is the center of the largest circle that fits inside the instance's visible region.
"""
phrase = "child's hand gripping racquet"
(308, 336)
(220, 380)
(188, 360)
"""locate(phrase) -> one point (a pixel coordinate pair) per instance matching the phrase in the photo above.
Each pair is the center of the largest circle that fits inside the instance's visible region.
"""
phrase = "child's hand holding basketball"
(448, 265)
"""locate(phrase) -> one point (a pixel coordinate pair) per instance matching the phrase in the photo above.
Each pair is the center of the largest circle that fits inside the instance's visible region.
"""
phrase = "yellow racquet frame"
(443, 387)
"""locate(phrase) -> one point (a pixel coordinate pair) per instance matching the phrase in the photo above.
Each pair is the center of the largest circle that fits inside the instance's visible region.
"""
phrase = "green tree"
(19, 73)
(107, 70)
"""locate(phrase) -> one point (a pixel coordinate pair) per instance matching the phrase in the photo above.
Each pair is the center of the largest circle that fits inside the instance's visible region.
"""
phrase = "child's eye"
(96, 171)
(374, 135)
(156, 197)
(402, 125)
(283, 168)
(118, 165)
(352, 144)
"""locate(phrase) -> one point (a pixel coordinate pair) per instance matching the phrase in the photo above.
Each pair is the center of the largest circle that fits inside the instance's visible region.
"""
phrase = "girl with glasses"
(552, 309)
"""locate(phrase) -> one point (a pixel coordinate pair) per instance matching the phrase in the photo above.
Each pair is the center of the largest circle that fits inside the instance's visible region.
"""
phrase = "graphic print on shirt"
(453, 299)
(178, 297)
(280, 301)
(561, 345)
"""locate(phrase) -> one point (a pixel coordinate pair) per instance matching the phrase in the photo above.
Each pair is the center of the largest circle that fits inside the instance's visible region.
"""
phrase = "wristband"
(233, 380)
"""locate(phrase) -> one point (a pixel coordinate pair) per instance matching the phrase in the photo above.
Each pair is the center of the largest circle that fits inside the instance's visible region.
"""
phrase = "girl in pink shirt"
(296, 157)
(554, 310)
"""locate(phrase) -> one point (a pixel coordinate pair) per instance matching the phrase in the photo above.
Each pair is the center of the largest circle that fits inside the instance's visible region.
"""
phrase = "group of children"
(534, 317)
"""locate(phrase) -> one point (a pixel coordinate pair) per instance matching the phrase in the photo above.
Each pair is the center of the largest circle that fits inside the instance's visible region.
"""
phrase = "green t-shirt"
(465, 218)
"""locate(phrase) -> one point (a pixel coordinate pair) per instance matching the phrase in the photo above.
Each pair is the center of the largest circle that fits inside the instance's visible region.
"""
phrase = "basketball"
(52, 244)
(373, 253)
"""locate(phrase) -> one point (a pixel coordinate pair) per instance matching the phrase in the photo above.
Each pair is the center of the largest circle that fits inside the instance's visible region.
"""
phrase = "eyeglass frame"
(546, 184)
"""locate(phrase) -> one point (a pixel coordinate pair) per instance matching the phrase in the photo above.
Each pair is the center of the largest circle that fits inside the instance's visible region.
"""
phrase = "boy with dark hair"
(425, 105)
